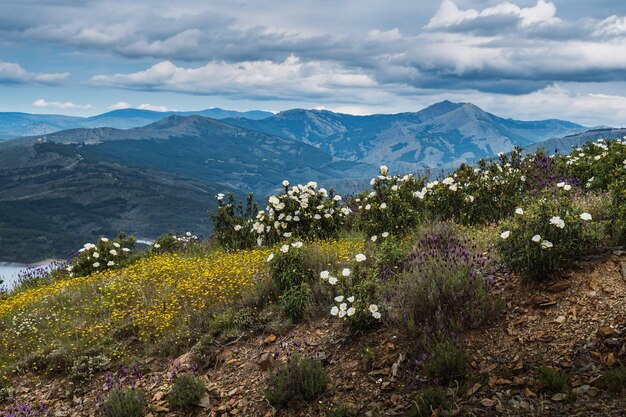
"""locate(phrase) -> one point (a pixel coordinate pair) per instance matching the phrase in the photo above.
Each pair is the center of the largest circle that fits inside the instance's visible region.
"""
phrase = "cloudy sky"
(526, 59)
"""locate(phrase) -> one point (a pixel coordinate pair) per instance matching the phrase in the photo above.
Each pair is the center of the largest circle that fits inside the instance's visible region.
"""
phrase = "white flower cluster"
(296, 211)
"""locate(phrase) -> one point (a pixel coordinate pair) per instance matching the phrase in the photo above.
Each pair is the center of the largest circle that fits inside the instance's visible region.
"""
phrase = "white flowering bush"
(357, 295)
(104, 254)
(231, 222)
(392, 205)
(548, 234)
(171, 242)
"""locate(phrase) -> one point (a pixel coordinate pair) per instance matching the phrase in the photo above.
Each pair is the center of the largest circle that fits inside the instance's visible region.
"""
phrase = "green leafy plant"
(447, 362)
(548, 234)
(187, 392)
(429, 400)
(554, 380)
(287, 268)
(297, 382)
(615, 379)
(103, 255)
(125, 402)
(231, 223)
(295, 301)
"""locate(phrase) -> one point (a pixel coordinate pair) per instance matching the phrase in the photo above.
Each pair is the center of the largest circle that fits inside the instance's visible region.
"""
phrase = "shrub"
(106, 254)
(205, 352)
(298, 381)
(430, 400)
(357, 295)
(125, 402)
(447, 362)
(549, 234)
(85, 368)
(390, 256)
(615, 379)
(187, 392)
(287, 268)
(171, 242)
(231, 225)
(6, 393)
(617, 224)
(295, 301)
(554, 380)
(391, 206)
(445, 288)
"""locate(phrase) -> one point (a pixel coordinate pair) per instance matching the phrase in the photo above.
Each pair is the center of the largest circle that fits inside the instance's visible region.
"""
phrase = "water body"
(10, 271)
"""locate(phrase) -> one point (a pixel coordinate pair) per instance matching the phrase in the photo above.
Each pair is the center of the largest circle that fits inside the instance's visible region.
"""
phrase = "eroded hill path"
(576, 322)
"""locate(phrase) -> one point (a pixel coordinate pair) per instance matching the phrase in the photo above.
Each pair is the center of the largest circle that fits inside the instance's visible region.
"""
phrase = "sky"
(524, 59)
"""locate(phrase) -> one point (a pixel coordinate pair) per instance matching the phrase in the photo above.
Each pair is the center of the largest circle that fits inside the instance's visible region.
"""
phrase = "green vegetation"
(554, 380)
(297, 382)
(429, 400)
(125, 402)
(615, 378)
(186, 393)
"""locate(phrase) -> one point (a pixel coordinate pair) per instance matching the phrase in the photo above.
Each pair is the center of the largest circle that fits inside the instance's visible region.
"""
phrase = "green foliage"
(287, 269)
(171, 242)
(391, 205)
(125, 402)
(187, 392)
(231, 225)
(6, 393)
(447, 363)
(615, 379)
(204, 352)
(617, 224)
(106, 254)
(297, 382)
(295, 301)
(549, 235)
(429, 400)
(554, 380)
(445, 287)
(86, 367)
(390, 256)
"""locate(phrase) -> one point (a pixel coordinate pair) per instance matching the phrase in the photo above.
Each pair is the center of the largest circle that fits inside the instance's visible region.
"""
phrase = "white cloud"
(12, 73)
(450, 15)
(291, 78)
(62, 105)
(119, 106)
(147, 106)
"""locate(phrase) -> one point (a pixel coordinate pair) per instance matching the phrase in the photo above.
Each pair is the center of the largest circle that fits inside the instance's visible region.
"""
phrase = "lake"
(9, 271)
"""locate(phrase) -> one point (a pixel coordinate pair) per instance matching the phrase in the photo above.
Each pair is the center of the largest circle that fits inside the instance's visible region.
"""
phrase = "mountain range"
(24, 124)
(60, 189)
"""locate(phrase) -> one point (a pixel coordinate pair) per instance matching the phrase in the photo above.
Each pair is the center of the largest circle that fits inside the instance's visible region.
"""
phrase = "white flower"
(89, 246)
(560, 184)
(334, 311)
(342, 314)
(96, 255)
(567, 187)
(345, 272)
(156, 245)
(448, 181)
(339, 298)
(69, 268)
(113, 252)
(104, 239)
(343, 306)
(324, 275)
(284, 248)
(374, 238)
(368, 206)
(351, 311)
(383, 206)
(332, 280)
(536, 238)
(519, 211)
(81, 250)
(188, 234)
(312, 184)
(360, 257)
(384, 170)
(351, 299)
(117, 245)
(297, 244)
(384, 234)
(285, 183)
(546, 244)
(557, 221)
(220, 197)
(373, 308)
(96, 264)
(394, 188)
(269, 258)
(505, 235)
(317, 217)
(376, 315)
(585, 216)
(238, 228)
(125, 250)
(110, 263)
(337, 197)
